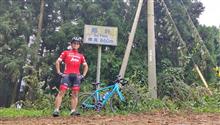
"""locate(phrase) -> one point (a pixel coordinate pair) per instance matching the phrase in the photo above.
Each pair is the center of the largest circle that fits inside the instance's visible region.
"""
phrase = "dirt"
(156, 118)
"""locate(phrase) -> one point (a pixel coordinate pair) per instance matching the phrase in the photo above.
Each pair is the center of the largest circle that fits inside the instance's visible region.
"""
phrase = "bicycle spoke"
(130, 103)
(86, 101)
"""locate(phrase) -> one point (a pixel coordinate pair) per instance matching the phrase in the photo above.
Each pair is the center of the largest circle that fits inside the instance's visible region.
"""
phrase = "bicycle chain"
(98, 106)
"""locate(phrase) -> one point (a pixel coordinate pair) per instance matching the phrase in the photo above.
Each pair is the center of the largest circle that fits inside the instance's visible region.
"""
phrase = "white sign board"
(101, 35)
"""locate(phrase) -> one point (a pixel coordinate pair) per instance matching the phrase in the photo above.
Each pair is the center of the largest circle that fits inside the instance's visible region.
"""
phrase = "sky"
(211, 14)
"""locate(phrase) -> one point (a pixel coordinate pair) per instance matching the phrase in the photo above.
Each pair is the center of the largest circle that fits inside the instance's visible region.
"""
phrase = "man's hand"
(61, 74)
(82, 78)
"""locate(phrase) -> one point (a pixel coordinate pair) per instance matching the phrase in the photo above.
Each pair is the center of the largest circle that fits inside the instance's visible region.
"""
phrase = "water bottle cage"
(105, 95)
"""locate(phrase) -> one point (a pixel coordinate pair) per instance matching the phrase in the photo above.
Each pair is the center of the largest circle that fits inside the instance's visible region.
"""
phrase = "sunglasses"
(76, 43)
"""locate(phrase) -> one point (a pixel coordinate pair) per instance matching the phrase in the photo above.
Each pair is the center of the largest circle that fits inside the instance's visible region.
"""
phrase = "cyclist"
(71, 78)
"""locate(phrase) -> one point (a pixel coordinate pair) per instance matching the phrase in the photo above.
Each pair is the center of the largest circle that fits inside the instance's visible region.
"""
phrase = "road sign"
(100, 35)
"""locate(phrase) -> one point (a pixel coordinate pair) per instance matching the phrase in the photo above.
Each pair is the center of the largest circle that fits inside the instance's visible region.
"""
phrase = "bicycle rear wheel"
(131, 100)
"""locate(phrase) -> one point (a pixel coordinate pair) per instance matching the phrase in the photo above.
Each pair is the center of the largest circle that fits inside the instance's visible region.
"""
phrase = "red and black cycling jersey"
(72, 59)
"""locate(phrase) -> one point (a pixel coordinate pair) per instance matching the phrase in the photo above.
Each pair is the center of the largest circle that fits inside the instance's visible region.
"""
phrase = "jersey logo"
(74, 59)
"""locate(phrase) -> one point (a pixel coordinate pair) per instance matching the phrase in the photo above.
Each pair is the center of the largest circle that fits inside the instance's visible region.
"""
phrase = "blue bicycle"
(118, 96)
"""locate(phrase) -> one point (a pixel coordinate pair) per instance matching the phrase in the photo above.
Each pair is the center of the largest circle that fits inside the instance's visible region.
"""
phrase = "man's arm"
(85, 69)
(58, 66)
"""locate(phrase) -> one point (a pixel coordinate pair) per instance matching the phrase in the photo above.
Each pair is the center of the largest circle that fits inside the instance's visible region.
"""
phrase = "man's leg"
(74, 100)
(58, 100)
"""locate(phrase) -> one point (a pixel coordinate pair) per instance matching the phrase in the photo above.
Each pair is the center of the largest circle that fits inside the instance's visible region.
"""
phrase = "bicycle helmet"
(76, 39)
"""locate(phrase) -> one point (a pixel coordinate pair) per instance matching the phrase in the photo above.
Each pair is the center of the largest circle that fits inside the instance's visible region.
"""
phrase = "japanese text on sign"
(101, 35)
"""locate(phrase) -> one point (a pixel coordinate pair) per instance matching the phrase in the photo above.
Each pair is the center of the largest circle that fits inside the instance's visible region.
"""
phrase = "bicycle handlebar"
(121, 80)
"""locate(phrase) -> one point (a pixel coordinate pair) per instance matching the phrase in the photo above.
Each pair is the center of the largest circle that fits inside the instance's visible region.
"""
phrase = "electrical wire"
(196, 33)
(177, 31)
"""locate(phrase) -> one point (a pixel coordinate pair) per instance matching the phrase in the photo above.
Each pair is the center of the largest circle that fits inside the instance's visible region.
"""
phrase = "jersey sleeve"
(83, 60)
(62, 56)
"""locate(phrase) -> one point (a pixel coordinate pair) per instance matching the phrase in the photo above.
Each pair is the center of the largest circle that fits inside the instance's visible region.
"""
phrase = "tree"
(14, 33)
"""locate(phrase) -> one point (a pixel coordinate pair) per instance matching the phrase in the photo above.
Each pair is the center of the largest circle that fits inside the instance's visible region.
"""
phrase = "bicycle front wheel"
(131, 100)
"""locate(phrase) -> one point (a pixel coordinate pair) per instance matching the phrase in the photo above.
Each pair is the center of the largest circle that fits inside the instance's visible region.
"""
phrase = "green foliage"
(12, 112)
(171, 84)
(153, 105)
(64, 19)
(201, 103)
(31, 79)
(15, 29)
(209, 103)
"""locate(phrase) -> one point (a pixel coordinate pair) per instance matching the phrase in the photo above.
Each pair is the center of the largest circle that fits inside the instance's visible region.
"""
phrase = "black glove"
(62, 74)
(82, 77)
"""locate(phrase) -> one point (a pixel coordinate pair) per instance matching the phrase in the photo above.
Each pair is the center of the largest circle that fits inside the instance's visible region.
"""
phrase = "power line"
(196, 33)
(177, 31)
(195, 65)
(175, 27)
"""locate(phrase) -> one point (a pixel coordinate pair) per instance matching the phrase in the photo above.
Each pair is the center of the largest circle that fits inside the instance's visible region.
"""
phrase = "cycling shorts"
(74, 84)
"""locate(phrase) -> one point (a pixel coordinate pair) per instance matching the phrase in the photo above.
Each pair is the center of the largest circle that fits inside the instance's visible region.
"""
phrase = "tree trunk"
(40, 24)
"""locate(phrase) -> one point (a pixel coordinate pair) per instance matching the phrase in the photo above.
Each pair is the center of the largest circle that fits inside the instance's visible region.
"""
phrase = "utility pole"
(152, 80)
(130, 40)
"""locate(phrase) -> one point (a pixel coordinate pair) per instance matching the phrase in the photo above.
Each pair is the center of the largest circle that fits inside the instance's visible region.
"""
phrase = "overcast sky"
(211, 15)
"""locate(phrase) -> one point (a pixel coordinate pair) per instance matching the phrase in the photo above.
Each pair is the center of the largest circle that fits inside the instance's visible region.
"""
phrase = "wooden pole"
(130, 40)
(202, 78)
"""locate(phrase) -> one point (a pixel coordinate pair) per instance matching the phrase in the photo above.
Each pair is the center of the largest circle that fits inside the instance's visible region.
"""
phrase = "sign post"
(99, 63)
(100, 35)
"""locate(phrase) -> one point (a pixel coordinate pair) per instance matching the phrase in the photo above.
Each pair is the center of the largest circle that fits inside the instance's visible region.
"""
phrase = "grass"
(209, 104)
(13, 112)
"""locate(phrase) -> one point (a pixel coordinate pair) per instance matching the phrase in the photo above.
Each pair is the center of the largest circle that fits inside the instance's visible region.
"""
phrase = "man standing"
(71, 78)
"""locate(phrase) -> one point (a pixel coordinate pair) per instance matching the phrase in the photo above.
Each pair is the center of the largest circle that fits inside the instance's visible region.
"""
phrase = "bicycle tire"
(131, 100)
(82, 97)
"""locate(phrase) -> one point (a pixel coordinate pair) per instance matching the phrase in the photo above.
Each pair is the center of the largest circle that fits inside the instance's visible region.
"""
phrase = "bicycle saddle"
(96, 83)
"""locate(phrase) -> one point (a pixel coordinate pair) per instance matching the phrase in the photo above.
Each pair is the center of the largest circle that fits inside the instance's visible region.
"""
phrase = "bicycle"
(119, 95)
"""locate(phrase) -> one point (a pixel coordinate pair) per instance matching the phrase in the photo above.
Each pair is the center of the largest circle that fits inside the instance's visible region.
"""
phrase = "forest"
(29, 49)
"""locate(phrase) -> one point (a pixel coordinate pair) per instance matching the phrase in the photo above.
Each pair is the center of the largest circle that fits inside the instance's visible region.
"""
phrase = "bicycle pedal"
(83, 106)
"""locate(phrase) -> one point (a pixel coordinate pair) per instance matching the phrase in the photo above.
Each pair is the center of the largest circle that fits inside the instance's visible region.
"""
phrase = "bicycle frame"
(115, 89)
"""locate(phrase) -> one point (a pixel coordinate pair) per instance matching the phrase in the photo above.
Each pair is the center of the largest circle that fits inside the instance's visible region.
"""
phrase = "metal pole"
(152, 80)
(99, 63)
(130, 40)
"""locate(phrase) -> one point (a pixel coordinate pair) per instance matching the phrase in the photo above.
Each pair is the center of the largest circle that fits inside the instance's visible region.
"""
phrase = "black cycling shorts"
(66, 81)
